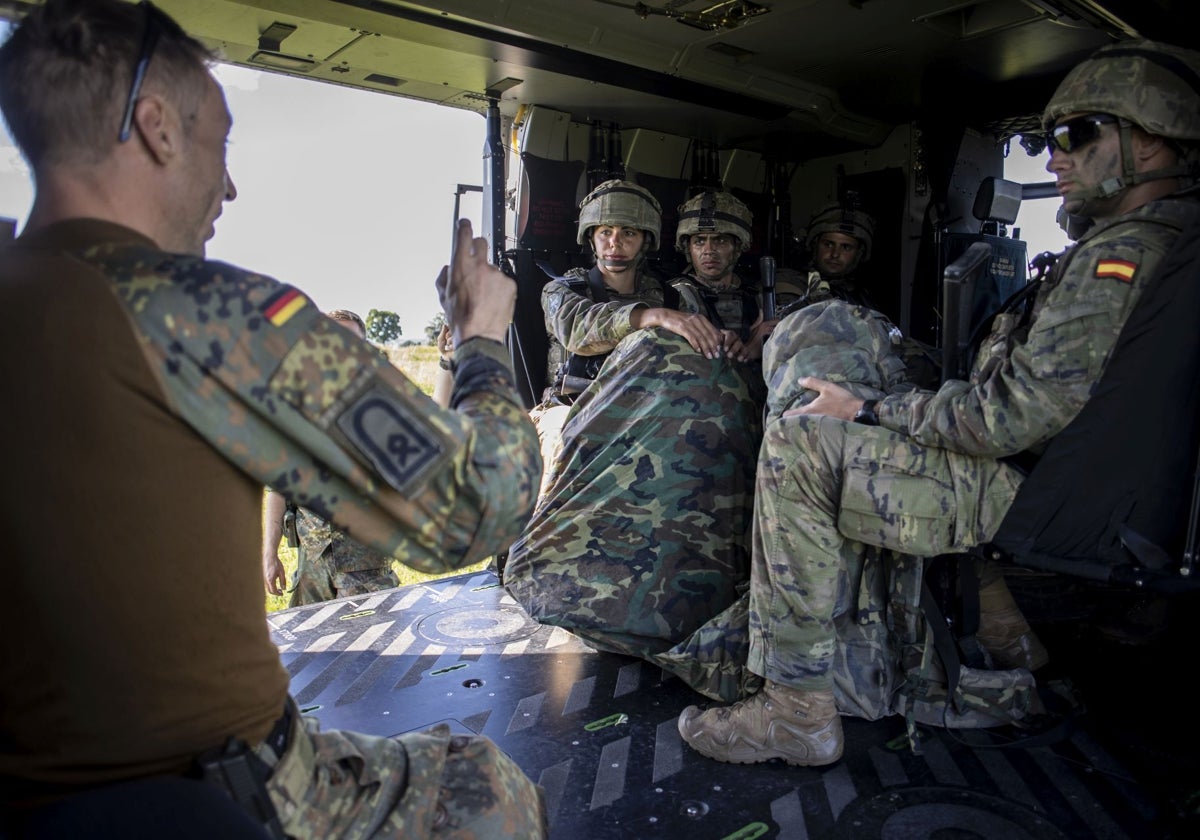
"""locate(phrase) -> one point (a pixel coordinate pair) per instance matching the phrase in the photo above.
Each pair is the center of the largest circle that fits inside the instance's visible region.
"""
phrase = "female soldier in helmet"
(589, 310)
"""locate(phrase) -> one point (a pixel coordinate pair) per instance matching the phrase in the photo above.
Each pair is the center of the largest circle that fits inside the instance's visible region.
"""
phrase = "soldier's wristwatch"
(866, 415)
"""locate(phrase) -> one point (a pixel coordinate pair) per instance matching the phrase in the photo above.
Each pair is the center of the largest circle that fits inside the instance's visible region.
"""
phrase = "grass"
(420, 364)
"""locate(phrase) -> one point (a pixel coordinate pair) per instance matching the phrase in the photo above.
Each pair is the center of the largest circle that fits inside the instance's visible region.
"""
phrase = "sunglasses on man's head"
(154, 26)
(1074, 134)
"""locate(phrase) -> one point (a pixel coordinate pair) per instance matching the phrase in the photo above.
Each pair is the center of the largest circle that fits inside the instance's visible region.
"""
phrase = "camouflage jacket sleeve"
(584, 326)
(304, 406)
(1028, 383)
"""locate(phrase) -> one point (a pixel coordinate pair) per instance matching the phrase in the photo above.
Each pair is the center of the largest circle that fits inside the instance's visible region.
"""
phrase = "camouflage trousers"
(548, 418)
(826, 487)
(426, 784)
(333, 573)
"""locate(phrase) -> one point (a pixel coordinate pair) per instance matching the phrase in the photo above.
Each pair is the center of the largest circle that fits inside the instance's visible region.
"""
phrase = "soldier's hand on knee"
(832, 400)
(732, 346)
(697, 330)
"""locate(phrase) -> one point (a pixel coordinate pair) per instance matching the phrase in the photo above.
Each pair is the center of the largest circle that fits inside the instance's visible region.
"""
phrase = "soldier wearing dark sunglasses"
(152, 661)
(1122, 129)
(930, 473)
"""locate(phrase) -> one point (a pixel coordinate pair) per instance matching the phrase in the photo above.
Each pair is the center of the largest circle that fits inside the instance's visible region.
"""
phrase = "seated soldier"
(589, 310)
(928, 473)
(714, 230)
(839, 242)
(639, 537)
(152, 657)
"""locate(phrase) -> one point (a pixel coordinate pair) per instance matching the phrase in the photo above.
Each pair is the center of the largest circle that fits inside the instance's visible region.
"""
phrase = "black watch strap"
(866, 415)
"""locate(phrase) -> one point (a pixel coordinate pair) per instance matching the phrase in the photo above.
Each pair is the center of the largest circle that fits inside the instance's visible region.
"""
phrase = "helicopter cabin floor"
(598, 732)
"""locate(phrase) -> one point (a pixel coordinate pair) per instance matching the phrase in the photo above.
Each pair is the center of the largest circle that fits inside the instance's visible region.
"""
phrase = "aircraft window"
(1036, 218)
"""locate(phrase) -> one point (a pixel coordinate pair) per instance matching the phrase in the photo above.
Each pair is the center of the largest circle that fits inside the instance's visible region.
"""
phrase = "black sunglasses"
(1074, 134)
(153, 28)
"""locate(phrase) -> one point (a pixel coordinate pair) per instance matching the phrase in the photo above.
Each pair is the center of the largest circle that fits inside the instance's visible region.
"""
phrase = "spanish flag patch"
(1122, 270)
(282, 305)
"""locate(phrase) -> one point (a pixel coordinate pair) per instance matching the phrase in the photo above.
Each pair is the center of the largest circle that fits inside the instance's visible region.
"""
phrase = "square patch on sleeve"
(402, 446)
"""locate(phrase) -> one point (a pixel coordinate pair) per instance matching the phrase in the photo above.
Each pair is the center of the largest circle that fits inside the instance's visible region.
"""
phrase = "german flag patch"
(1122, 270)
(282, 305)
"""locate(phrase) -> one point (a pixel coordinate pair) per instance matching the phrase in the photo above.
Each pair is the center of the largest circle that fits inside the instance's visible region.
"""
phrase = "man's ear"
(1147, 146)
(157, 123)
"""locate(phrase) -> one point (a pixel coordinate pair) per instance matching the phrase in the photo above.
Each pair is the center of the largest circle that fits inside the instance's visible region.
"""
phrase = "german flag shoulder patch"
(281, 306)
(1122, 270)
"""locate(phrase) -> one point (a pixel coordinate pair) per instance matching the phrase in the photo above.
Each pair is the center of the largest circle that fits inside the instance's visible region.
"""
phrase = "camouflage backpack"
(896, 654)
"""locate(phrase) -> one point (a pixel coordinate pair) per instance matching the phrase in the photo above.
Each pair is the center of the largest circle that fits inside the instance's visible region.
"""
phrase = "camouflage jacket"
(1029, 380)
(577, 324)
(305, 407)
(316, 535)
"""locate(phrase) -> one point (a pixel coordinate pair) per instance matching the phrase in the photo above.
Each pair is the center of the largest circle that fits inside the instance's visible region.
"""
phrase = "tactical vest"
(1131, 450)
(750, 308)
(578, 371)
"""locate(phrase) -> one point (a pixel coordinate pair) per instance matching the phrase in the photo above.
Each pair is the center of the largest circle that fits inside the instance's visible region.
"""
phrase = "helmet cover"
(836, 218)
(621, 204)
(1153, 85)
(714, 212)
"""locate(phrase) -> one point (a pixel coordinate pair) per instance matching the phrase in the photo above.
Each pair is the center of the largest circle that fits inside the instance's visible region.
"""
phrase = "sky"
(349, 195)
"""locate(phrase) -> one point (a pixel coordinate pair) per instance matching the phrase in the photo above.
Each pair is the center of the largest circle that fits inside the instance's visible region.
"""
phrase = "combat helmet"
(839, 218)
(714, 212)
(622, 203)
(1144, 83)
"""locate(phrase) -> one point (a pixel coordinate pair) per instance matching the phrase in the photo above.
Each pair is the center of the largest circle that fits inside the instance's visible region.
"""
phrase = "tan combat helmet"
(1152, 85)
(624, 204)
(714, 212)
(837, 218)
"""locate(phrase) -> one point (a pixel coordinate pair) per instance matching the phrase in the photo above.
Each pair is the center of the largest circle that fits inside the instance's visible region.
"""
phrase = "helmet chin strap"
(634, 264)
(1128, 177)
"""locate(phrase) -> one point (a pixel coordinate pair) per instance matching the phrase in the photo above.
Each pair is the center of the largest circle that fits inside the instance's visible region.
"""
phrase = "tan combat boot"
(801, 727)
(1003, 631)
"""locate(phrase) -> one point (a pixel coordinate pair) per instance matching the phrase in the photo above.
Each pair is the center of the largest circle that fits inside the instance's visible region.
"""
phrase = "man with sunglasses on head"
(928, 473)
(136, 652)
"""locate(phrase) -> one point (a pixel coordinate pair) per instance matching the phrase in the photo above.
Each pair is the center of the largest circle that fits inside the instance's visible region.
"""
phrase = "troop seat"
(547, 215)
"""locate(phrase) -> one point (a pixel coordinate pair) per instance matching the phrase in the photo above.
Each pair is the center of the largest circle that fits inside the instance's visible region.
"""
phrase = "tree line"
(383, 328)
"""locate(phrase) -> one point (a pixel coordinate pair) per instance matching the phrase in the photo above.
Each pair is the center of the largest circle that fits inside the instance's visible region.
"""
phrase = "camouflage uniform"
(808, 288)
(733, 306)
(931, 478)
(331, 565)
(582, 328)
(800, 290)
(923, 364)
(640, 536)
(423, 784)
(251, 385)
